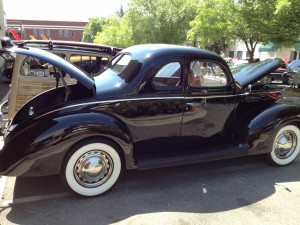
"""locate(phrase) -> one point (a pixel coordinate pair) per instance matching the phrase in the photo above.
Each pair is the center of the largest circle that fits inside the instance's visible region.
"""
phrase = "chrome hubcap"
(93, 168)
(285, 144)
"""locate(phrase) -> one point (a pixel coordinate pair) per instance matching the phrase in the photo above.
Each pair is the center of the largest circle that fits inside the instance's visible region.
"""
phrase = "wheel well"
(286, 123)
(295, 123)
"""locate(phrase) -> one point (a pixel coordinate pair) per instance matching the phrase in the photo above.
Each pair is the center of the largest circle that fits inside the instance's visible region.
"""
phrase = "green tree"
(115, 33)
(94, 26)
(251, 21)
(160, 21)
(213, 24)
(120, 12)
(287, 23)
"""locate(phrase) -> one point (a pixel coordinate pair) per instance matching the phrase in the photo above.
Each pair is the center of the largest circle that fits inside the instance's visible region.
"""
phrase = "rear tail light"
(276, 96)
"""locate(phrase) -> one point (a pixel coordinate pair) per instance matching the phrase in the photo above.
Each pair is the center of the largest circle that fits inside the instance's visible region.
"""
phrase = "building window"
(239, 54)
(247, 54)
(35, 32)
(66, 33)
(42, 32)
(60, 33)
(73, 33)
(231, 54)
(48, 33)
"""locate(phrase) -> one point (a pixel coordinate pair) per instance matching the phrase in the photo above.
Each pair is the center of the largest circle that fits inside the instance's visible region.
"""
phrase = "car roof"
(158, 50)
(154, 55)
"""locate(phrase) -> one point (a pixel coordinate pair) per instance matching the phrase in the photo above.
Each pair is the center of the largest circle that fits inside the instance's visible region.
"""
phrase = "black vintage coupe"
(154, 106)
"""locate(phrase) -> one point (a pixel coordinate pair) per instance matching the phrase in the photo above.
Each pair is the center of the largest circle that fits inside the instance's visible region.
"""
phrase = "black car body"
(148, 110)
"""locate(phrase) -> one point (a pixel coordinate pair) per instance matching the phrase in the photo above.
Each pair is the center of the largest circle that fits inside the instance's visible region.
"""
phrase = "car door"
(209, 105)
(157, 112)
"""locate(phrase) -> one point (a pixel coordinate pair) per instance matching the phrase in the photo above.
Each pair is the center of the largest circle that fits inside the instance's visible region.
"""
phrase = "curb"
(2, 185)
(2, 178)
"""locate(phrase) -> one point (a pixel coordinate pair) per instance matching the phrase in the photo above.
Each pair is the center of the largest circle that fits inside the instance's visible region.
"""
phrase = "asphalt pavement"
(244, 190)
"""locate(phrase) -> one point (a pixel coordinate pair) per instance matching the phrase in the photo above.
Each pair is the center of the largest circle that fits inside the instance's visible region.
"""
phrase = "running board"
(211, 154)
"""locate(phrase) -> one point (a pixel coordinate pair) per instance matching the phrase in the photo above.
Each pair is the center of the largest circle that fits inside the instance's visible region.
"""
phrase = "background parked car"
(92, 58)
(237, 63)
(31, 76)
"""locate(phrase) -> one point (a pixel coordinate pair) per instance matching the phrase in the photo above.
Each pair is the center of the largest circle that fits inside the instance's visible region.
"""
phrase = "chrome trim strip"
(210, 97)
(135, 99)
(107, 102)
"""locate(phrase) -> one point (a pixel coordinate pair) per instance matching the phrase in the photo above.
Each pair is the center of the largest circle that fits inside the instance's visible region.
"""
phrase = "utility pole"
(2, 20)
(2, 30)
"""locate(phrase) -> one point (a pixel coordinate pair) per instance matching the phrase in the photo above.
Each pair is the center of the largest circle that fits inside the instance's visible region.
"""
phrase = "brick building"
(55, 30)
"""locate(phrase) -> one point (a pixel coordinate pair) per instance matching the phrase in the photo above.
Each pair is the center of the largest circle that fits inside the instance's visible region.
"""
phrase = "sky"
(61, 10)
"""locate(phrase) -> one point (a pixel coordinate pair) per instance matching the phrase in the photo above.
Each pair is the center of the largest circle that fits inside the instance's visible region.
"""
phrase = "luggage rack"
(51, 44)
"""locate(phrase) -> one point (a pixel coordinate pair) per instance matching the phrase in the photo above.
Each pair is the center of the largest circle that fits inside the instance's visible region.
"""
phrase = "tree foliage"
(115, 33)
(120, 12)
(160, 21)
(213, 24)
(287, 23)
(150, 21)
(251, 21)
(94, 26)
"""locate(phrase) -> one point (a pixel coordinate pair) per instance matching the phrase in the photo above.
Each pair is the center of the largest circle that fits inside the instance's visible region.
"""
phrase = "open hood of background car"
(253, 72)
(53, 59)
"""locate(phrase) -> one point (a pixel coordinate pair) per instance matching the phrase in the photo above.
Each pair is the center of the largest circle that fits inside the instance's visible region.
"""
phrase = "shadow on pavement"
(200, 188)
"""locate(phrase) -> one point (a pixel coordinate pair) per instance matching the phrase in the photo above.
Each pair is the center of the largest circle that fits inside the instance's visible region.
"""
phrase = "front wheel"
(286, 146)
(91, 168)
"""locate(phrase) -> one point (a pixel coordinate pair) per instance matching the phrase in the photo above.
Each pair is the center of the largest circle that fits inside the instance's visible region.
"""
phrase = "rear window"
(35, 67)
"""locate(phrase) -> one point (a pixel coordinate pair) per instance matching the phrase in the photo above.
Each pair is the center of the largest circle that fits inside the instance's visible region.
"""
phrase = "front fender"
(44, 142)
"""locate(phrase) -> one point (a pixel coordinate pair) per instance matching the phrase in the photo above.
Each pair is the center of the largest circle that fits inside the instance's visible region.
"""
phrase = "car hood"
(294, 66)
(253, 72)
(55, 60)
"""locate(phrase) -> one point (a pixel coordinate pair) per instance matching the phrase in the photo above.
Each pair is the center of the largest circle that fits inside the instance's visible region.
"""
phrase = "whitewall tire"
(91, 168)
(286, 146)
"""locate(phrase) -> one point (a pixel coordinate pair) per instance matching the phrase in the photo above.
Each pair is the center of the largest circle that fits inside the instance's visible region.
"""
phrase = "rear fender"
(257, 133)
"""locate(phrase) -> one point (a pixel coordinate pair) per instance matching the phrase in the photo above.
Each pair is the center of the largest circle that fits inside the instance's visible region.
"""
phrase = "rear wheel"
(91, 168)
(286, 146)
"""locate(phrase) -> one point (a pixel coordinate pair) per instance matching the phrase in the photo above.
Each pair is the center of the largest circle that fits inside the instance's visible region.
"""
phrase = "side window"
(169, 75)
(90, 64)
(36, 67)
(206, 74)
